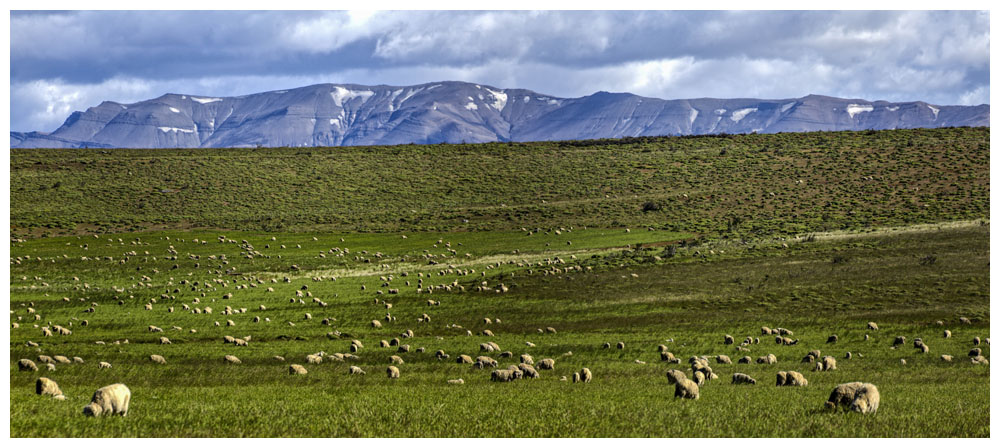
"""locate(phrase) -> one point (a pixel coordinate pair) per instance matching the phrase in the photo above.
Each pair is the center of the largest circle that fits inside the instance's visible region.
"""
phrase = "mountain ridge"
(455, 112)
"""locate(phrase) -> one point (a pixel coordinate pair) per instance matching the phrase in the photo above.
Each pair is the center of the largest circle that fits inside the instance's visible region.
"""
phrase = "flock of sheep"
(114, 399)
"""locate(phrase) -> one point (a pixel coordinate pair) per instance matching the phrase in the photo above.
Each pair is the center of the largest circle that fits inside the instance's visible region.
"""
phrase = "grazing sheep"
(576, 377)
(872, 326)
(765, 331)
(528, 370)
(947, 333)
(109, 400)
(769, 359)
(728, 340)
(503, 375)
(383, 343)
(674, 375)
(832, 339)
(848, 355)
(103, 365)
(464, 359)
(296, 369)
(62, 359)
(723, 359)
(829, 363)
(314, 359)
(527, 359)
(232, 359)
(50, 366)
(157, 359)
(487, 333)
(699, 377)
(902, 362)
(355, 370)
(547, 364)
(392, 372)
(483, 361)
(745, 360)
(456, 381)
(976, 340)
(550, 330)
(507, 354)
(856, 396)
(965, 320)
(924, 348)
(240, 342)
(46, 359)
(976, 351)
(606, 345)
(975, 360)
(668, 357)
(395, 359)
(946, 358)
(686, 388)
(792, 378)
(742, 378)
(900, 340)
(45, 386)
(404, 348)
(585, 375)
(78, 360)
(164, 340)
(621, 345)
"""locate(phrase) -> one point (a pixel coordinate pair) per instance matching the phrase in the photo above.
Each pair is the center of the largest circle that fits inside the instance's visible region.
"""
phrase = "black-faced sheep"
(392, 372)
(109, 400)
(976, 351)
(745, 360)
(464, 359)
(832, 339)
(27, 365)
(728, 340)
(674, 375)
(528, 370)
(586, 375)
(547, 364)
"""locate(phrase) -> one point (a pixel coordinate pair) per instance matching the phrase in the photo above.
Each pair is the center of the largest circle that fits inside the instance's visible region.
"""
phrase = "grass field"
(683, 276)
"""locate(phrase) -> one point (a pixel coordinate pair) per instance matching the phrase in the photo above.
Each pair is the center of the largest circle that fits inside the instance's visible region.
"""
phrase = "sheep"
(164, 340)
(686, 388)
(668, 357)
(487, 333)
(395, 359)
(975, 360)
(296, 369)
(946, 358)
(483, 361)
(547, 364)
(586, 375)
(900, 340)
(674, 375)
(404, 348)
(45, 358)
(231, 359)
(742, 378)
(769, 359)
(698, 377)
(464, 359)
(791, 378)
(947, 334)
(856, 396)
(606, 345)
(872, 326)
(620, 345)
(278, 358)
(829, 363)
(157, 359)
(723, 359)
(62, 359)
(976, 340)
(104, 365)
(745, 360)
(528, 370)
(527, 359)
(78, 360)
(392, 372)
(924, 348)
(376, 324)
(45, 386)
(110, 400)
(765, 331)
(550, 330)
(50, 366)
(503, 375)
(355, 370)
(965, 320)
(976, 351)
(240, 342)
(728, 340)
(576, 377)
(314, 359)
(832, 339)
(456, 381)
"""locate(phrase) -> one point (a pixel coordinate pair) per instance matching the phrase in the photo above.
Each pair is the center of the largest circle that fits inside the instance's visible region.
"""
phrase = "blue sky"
(67, 61)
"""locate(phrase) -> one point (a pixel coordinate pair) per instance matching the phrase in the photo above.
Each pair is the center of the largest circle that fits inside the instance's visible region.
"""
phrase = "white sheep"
(109, 400)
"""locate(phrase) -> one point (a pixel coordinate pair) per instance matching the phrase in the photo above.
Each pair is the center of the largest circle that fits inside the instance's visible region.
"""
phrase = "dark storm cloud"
(62, 62)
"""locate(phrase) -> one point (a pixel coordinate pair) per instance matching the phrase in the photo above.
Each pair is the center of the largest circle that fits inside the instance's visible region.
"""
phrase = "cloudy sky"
(66, 61)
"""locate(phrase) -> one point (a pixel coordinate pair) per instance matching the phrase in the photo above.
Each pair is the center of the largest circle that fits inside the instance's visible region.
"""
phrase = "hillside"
(717, 185)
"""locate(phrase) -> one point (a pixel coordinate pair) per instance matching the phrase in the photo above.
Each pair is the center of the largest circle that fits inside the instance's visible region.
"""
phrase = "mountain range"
(455, 112)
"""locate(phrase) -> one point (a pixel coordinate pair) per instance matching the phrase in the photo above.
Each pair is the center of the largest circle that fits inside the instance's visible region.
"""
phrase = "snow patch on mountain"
(205, 100)
(854, 109)
(740, 114)
(341, 95)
